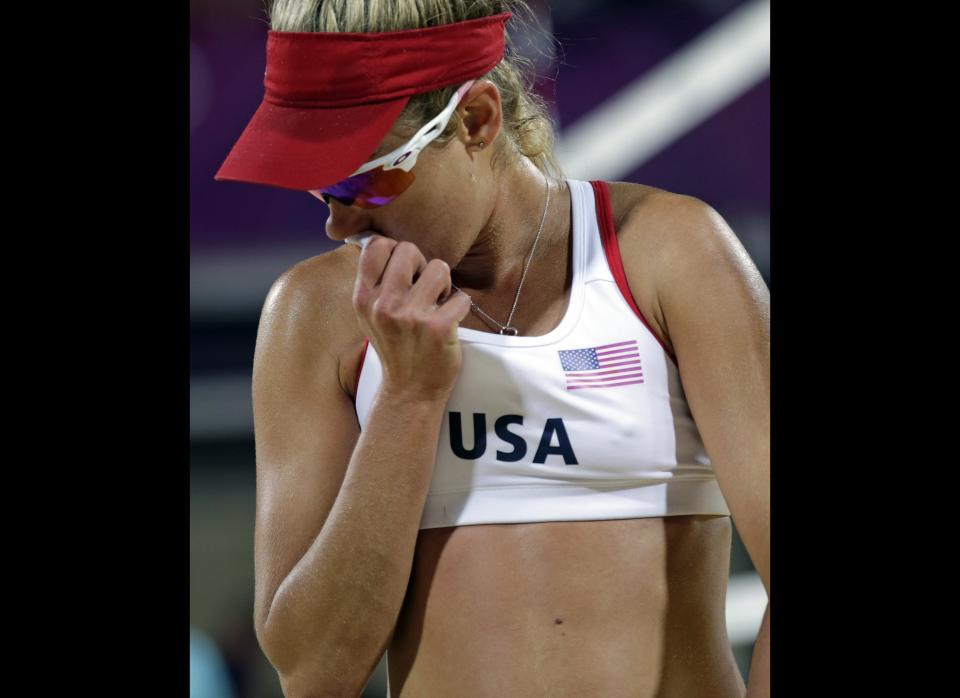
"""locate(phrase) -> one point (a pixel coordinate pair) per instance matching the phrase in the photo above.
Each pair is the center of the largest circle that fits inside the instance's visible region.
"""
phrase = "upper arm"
(305, 427)
(716, 310)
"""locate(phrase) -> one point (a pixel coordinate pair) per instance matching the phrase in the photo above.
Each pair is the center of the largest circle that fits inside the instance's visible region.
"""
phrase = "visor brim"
(308, 148)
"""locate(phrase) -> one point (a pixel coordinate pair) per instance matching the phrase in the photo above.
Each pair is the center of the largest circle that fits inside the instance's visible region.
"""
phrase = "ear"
(481, 115)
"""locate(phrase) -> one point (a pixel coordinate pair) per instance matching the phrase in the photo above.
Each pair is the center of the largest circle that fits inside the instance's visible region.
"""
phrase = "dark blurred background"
(669, 93)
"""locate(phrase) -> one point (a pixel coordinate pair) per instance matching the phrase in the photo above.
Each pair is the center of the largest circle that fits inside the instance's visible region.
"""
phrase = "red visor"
(331, 97)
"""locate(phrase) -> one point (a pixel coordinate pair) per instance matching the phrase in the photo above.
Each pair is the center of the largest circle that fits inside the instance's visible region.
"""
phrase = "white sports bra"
(586, 422)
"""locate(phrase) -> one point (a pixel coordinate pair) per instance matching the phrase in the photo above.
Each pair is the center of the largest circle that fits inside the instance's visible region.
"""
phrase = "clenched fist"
(404, 305)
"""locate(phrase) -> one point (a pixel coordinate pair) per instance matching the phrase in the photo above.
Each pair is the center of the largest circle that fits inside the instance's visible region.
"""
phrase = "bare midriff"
(564, 609)
(624, 607)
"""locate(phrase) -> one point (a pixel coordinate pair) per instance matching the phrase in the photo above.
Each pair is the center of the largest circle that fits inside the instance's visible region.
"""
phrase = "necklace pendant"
(512, 331)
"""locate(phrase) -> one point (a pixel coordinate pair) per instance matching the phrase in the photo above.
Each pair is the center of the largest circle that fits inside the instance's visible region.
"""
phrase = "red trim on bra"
(608, 236)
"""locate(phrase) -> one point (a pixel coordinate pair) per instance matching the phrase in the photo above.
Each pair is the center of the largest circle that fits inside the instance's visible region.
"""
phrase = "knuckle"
(391, 313)
(361, 298)
(439, 267)
(406, 246)
(381, 241)
(382, 310)
(407, 321)
(375, 253)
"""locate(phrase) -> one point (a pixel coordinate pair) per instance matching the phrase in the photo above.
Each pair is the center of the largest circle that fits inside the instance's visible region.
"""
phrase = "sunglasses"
(380, 181)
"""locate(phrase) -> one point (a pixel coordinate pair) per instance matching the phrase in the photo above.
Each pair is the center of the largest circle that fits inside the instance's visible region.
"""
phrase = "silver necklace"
(508, 329)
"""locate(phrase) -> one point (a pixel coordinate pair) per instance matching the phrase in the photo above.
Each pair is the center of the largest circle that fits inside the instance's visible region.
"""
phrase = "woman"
(494, 476)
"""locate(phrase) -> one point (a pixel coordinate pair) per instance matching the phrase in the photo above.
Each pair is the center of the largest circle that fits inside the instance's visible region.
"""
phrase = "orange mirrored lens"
(383, 187)
(369, 189)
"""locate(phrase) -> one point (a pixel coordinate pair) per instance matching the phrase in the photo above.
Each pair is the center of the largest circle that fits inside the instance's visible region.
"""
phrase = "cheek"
(443, 209)
(451, 218)
(437, 229)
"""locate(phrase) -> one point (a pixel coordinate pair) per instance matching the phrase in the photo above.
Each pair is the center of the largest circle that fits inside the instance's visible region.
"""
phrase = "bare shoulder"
(659, 232)
(311, 302)
(647, 221)
(321, 286)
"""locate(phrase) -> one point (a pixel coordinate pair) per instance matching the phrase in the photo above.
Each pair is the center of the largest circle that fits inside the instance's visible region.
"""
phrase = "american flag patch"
(605, 366)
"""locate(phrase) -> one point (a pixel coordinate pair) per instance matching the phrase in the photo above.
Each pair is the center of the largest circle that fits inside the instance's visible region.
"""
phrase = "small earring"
(481, 143)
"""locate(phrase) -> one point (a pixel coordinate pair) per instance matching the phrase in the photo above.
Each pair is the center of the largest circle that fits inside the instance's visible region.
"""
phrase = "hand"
(404, 305)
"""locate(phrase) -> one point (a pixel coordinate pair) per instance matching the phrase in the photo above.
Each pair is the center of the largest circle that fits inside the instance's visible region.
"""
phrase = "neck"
(493, 266)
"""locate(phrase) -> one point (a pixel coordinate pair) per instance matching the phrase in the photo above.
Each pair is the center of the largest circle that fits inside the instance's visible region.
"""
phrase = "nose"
(344, 221)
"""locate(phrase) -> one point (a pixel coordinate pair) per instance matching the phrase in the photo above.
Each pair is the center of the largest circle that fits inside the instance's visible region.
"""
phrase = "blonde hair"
(527, 126)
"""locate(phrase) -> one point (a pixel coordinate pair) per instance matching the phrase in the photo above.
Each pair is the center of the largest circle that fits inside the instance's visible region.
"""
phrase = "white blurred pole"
(746, 602)
(671, 99)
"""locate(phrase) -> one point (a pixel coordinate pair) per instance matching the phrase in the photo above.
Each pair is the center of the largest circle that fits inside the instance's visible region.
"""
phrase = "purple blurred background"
(724, 161)
(244, 236)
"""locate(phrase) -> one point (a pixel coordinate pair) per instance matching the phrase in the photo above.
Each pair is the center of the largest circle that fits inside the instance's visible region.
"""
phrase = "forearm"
(758, 683)
(331, 617)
